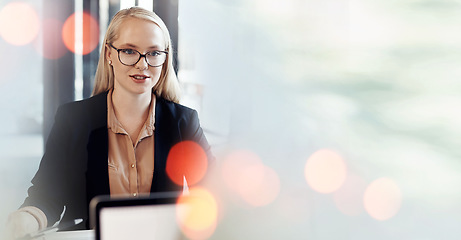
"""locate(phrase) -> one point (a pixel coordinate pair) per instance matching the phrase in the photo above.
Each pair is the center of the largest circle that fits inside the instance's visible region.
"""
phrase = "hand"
(19, 224)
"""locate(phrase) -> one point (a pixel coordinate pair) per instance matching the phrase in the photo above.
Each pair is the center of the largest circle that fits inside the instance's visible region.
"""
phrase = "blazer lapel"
(98, 147)
(166, 135)
(98, 173)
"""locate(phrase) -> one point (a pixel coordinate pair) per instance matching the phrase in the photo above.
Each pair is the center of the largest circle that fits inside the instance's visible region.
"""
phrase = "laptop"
(152, 217)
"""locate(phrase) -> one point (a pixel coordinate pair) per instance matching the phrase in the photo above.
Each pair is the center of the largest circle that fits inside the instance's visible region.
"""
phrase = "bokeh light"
(19, 23)
(197, 213)
(53, 46)
(325, 171)
(348, 198)
(90, 33)
(264, 190)
(188, 159)
(245, 174)
(382, 199)
(242, 169)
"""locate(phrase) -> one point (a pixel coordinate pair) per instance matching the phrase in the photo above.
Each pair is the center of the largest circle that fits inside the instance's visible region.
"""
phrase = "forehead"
(141, 33)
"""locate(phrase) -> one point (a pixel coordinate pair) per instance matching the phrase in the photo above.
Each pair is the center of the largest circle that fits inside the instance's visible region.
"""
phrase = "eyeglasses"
(130, 57)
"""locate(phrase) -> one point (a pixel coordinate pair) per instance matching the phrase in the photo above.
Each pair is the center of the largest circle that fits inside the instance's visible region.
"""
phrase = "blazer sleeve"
(195, 133)
(49, 185)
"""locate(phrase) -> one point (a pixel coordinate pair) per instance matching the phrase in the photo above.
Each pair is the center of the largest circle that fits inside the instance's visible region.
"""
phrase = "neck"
(128, 104)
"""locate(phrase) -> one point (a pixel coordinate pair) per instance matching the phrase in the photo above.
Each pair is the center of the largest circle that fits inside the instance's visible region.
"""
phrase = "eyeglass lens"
(131, 57)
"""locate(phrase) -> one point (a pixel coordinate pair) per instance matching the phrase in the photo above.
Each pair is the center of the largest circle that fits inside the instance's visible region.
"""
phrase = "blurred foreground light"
(186, 159)
(19, 23)
(245, 174)
(348, 198)
(241, 169)
(53, 46)
(325, 171)
(382, 199)
(89, 33)
(263, 191)
(197, 213)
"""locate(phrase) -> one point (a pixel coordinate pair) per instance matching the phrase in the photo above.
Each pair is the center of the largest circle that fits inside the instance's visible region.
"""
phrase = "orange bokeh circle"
(325, 171)
(90, 33)
(197, 213)
(263, 191)
(245, 174)
(19, 23)
(186, 159)
(348, 198)
(382, 199)
(241, 170)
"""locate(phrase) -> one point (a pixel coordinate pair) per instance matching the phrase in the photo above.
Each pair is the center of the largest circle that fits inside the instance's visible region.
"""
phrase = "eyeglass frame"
(140, 56)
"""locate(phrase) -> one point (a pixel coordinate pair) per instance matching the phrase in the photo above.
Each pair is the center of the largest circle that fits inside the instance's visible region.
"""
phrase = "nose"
(142, 63)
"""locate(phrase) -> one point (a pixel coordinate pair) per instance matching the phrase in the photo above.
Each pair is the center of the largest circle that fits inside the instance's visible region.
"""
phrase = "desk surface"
(72, 235)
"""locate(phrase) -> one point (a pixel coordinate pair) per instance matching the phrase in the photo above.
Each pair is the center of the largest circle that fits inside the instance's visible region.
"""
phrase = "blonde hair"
(167, 85)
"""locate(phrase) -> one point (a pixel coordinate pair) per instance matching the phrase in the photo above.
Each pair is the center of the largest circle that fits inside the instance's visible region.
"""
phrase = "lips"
(139, 77)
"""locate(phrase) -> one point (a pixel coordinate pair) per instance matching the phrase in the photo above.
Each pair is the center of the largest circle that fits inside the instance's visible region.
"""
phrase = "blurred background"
(331, 119)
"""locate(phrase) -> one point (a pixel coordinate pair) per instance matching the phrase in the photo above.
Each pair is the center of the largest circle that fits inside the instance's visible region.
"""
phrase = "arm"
(196, 134)
(48, 189)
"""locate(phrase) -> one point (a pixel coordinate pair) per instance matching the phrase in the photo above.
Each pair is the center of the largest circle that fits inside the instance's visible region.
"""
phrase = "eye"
(128, 51)
(154, 53)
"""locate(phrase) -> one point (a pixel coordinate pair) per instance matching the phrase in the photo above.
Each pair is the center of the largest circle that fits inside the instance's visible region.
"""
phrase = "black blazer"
(74, 167)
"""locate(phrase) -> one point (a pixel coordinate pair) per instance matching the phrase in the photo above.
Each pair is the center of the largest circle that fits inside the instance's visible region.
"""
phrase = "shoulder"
(93, 103)
(174, 118)
(92, 109)
(176, 110)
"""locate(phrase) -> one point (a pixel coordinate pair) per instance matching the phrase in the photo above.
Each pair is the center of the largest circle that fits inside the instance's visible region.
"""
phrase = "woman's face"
(143, 36)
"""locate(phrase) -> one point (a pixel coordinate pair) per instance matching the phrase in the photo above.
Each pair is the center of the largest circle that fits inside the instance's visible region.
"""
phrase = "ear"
(108, 53)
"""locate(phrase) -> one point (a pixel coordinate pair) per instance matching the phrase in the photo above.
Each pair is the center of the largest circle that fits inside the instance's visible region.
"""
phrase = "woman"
(116, 142)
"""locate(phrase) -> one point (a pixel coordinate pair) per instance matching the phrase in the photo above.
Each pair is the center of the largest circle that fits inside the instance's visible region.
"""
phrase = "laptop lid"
(152, 217)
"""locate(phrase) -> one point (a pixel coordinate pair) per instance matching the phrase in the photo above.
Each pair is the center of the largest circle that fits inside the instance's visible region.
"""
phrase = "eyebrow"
(134, 46)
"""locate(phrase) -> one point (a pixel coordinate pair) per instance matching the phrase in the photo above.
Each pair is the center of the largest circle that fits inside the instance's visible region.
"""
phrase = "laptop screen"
(152, 217)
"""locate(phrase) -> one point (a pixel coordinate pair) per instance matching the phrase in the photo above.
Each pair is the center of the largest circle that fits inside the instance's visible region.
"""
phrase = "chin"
(142, 91)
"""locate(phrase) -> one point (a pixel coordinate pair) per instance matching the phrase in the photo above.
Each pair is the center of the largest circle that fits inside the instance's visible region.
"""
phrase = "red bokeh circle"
(90, 33)
(186, 159)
